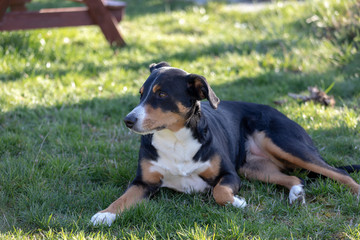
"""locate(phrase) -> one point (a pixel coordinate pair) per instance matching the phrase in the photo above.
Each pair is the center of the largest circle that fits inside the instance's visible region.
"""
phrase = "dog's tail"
(348, 169)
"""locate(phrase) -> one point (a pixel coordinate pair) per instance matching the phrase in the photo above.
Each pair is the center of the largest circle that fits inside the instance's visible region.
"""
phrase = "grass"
(65, 153)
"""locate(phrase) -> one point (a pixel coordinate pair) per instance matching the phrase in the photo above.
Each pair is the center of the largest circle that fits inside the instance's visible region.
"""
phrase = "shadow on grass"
(216, 49)
(189, 54)
(17, 43)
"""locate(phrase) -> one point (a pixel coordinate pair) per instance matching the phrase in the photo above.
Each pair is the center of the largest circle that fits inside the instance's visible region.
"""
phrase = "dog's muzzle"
(134, 120)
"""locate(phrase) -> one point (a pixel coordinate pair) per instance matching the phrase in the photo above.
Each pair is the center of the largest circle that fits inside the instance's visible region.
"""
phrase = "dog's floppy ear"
(154, 66)
(200, 89)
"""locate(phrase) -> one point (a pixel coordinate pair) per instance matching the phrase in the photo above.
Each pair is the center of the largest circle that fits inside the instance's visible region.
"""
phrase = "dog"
(192, 146)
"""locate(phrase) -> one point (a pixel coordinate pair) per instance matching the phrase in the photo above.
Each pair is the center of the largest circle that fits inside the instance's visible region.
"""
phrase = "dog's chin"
(146, 131)
(142, 132)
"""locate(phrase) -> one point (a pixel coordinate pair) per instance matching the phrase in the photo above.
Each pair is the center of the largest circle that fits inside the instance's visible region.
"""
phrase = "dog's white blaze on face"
(176, 151)
(140, 113)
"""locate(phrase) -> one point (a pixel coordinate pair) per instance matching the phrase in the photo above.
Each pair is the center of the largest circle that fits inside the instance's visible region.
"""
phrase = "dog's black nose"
(130, 121)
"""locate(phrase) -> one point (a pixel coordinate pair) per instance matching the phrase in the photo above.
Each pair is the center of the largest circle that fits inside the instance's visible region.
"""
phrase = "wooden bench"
(104, 13)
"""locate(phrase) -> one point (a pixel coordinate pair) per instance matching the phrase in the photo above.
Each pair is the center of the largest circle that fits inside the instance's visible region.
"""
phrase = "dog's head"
(166, 99)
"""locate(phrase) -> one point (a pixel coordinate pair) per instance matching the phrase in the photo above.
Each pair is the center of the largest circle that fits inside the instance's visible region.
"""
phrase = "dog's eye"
(161, 94)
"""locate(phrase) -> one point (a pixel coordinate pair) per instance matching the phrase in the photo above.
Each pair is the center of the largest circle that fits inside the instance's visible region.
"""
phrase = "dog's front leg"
(225, 189)
(145, 183)
(133, 195)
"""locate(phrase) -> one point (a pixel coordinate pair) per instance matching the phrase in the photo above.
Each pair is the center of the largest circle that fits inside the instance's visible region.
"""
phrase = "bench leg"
(106, 21)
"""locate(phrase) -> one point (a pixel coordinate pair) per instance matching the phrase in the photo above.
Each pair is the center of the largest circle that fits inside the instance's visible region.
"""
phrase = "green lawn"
(65, 153)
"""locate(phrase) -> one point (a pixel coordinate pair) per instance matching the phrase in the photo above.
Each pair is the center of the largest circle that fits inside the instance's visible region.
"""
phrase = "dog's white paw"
(239, 202)
(103, 218)
(297, 193)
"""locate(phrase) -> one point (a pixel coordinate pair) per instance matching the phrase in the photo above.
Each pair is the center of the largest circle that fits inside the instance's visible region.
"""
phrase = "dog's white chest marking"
(176, 151)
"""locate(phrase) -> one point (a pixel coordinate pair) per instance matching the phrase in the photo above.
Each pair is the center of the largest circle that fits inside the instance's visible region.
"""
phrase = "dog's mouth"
(142, 132)
(146, 132)
(141, 126)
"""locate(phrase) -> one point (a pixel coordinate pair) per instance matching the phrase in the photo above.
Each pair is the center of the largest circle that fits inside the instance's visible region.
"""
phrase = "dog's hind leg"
(299, 152)
(265, 170)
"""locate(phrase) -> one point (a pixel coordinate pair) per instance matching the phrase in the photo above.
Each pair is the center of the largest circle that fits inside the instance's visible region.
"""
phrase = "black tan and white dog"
(191, 146)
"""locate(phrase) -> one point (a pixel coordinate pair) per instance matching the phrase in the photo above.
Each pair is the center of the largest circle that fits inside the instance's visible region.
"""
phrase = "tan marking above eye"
(141, 91)
(156, 88)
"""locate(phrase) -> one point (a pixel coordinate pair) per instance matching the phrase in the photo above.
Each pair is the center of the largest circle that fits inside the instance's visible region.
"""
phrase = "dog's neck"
(197, 123)
(195, 129)
(188, 140)
(182, 136)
